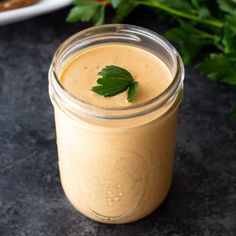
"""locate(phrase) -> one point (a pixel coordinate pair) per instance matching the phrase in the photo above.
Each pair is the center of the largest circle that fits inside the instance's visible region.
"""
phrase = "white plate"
(43, 6)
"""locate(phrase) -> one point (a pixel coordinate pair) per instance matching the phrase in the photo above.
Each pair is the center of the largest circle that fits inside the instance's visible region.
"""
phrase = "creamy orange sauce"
(80, 74)
(111, 170)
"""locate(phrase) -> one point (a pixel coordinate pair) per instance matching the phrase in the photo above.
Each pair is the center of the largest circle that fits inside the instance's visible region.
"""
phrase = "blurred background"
(202, 199)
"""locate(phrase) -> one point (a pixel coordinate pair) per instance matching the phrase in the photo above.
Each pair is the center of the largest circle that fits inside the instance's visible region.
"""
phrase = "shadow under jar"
(116, 163)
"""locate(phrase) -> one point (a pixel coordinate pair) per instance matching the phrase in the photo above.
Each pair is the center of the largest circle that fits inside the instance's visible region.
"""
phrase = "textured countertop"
(202, 200)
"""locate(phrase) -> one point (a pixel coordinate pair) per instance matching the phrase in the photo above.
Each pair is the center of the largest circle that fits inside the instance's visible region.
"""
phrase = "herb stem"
(172, 11)
(219, 47)
(205, 35)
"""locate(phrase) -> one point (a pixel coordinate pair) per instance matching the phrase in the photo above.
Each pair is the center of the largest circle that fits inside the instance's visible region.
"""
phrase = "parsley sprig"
(115, 80)
(201, 24)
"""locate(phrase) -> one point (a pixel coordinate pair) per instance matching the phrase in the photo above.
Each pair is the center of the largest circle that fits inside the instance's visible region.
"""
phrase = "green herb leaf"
(115, 72)
(202, 10)
(99, 16)
(87, 11)
(220, 67)
(182, 5)
(190, 39)
(132, 91)
(123, 10)
(203, 13)
(116, 3)
(227, 5)
(195, 4)
(110, 89)
(229, 37)
(115, 80)
(82, 3)
(83, 11)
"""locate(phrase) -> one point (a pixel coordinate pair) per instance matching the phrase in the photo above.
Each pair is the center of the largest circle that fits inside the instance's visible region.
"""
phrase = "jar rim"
(177, 80)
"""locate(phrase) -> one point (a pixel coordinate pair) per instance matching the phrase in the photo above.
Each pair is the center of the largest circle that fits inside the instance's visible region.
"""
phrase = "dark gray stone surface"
(202, 200)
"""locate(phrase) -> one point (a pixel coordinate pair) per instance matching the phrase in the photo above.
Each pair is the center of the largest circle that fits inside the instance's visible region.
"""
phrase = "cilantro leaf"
(99, 16)
(82, 3)
(190, 39)
(115, 72)
(115, 80)
(227, 5)
(111, 87)
(123, 10)
(87, 11)
(220, 67)
(204, 12)
(229, 37)
(182, 5)
(83, 11)
(132, 91)
(195, 4)
(116, 3)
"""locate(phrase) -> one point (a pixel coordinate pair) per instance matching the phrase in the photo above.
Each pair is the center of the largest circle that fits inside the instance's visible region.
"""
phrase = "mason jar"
(116, 163)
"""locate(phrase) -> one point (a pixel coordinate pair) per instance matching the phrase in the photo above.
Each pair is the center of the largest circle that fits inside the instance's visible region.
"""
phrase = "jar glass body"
(116, 165)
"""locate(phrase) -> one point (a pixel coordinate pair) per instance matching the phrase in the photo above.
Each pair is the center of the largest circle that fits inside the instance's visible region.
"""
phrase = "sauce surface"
(80, 74)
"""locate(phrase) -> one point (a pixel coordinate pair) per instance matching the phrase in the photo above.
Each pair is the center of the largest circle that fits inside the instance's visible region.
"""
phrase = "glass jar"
(116, 164)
